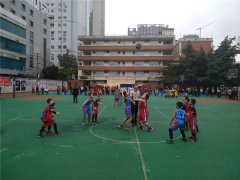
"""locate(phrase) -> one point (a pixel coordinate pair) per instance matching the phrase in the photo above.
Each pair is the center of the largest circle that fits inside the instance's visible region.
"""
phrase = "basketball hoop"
(232, 74)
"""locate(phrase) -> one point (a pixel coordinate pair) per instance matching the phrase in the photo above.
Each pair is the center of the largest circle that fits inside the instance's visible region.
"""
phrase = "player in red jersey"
(193, 120)
(186, 108)
(95, 109)
(47, 118)
(143, 115)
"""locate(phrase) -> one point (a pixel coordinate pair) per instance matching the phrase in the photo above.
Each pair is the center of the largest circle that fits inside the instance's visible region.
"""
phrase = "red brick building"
(196, 42)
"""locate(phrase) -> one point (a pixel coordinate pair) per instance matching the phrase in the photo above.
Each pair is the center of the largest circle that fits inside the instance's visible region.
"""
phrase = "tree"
(51, 72)
(68, 65)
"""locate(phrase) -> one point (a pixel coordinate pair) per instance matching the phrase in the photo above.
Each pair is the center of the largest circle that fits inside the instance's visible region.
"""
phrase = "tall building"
(116, 60)
(30, 15)
(196, 42)
(70, 19)
(98, 22)
(12, 43)
(148, 30)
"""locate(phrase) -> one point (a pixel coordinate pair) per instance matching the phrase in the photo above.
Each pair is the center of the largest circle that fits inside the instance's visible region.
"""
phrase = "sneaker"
(150, 129)
(56, 134)
(40, 136)
(141, 127)
(194, 140)
(191, 137)
(49, 133)
(170, 141)
(127, 128)
(184, 139)
(120, 126)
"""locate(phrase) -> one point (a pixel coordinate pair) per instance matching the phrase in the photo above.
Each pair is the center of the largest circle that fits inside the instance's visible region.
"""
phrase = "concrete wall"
(51, 84)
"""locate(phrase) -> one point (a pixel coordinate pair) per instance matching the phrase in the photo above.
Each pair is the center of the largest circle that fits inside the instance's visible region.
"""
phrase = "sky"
(185, 16)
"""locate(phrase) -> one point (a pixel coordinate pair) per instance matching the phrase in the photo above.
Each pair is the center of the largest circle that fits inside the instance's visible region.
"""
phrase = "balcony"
(125, 48)
(125, 58)
(122, 68)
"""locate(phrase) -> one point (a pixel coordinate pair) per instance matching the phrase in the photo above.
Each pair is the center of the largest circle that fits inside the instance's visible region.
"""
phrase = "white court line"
(162, 113)
(141, 157)
(4, 149)
(12, 120)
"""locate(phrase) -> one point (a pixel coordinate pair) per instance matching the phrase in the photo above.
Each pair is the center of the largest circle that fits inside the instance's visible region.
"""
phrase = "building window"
(31, 23)
(36, 2)
(133, 52)
(64, 24)
(12, 11)
(59, 38)
(23, 7)
(1, 5)
(52, 4)
(24, 18)
(59, 25)
(59, 4)
(44, 31)
(30, 12)
(52, 56)
(118, 52)
(59, 47)
(59, 17)
(64, 17)
(51, 17)
(44, 21)
(94, 52)
(64, 10)
(107, 51)
(64, 47)
(52, 47)
(123, 52)
(31, 62)
(134, 42)
(119, 42)
(13, 1)
(52, 38)
(31, 35)
(52, 10)
(52, 24)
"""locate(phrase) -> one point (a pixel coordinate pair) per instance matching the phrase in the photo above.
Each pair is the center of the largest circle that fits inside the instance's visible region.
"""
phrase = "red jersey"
(47, 114)
(143, 112)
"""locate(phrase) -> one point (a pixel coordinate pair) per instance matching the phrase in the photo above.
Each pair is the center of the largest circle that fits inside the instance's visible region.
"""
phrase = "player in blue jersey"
(128, 111)
(177, 121)
(86, 108)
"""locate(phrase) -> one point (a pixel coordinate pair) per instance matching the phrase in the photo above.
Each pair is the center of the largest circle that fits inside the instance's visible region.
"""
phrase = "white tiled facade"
(69, 19)
(33, 13)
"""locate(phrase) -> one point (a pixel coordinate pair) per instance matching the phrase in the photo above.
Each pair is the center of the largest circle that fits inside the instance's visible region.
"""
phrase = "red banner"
(5, 81)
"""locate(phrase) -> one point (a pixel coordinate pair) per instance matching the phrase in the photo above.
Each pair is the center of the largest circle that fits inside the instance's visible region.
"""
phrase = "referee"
(135, 95)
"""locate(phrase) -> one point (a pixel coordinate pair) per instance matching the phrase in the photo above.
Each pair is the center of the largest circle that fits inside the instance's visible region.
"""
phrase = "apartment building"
(70, 19)
(115, 60)
(31, 16)
(196, 42)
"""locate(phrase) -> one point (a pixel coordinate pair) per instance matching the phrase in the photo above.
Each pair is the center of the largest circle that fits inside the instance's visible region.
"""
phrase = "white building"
(33, 14)
(69, 19)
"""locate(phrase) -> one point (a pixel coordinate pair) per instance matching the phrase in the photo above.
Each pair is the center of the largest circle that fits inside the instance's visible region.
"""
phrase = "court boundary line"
(141, 156)
(11, 120)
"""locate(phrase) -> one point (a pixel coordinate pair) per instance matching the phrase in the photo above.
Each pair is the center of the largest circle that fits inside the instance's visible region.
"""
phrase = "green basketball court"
(105, 152)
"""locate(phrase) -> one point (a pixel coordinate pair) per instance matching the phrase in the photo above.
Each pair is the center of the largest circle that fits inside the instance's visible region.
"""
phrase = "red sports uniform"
(187, 111)
(47, 116)
(192, 119)
(143, 112)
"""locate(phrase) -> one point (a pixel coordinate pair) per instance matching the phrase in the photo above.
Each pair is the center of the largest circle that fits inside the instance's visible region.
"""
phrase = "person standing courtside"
(135, 95)
(75, 94)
